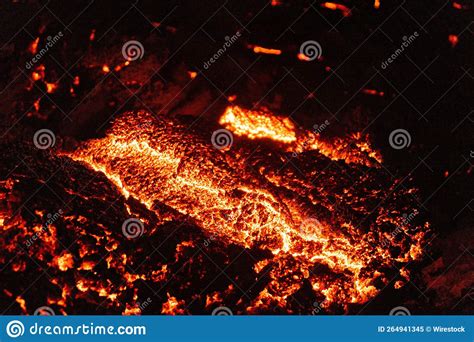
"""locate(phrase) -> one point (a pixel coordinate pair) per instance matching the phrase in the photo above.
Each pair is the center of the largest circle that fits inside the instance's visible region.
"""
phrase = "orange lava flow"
(266, 51)
(261, 124)
(337, 7)
(160, 162)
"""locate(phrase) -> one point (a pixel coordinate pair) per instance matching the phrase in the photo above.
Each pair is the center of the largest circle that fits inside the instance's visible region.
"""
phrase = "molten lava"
(338, 231)
(262, 124)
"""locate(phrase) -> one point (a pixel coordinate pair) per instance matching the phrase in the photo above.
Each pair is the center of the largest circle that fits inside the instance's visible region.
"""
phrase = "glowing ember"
(373, 92)
(453, 39)
(161, 162)
(303, 57)
(264, 125)
(263, 50)
(92, 35)
(346, 12)
(33, 48)
(51, 87)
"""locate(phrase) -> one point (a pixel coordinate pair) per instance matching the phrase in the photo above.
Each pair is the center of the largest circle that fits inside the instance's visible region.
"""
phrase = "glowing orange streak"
(33, 48)
(334, 6)
(267, 51)
(303, 57)
(373, 92)
(261, 124)
(258, 126)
